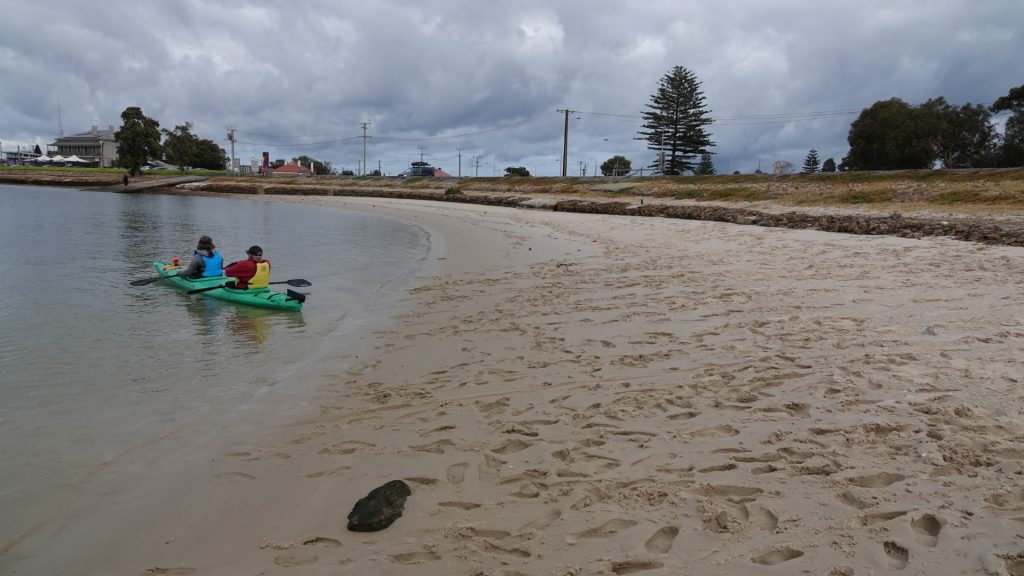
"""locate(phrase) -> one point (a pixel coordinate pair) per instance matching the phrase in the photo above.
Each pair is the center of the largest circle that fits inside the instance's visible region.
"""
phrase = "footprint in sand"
(291, 560)
(735, 494)
(879, 517)
(322, 541)
(543, 522)
(851, 499)
(662, 540)
(511, 447)
(762, 517)
(235, 476)
(718, 468)
(880, 480)
(456, 473)
(898, 555)
(488, 470)
(609, 528)
(484, 533)
(634, 566)
(721, 431)
(777, 556)
(926, 530)
(331, 472)
(422, 481)
(688, 415)
(415, 557)
(459, 505)
(436, 447)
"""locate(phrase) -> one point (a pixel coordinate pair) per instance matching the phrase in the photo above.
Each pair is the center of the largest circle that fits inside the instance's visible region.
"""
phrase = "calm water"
(93, 370)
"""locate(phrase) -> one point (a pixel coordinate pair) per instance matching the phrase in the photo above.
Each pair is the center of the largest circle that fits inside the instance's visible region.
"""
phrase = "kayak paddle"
(208, 288)
(297, 282)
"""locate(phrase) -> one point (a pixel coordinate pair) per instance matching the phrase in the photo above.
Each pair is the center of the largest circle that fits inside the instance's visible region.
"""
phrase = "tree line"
(141, 139)
(889, 135)
(894, 135)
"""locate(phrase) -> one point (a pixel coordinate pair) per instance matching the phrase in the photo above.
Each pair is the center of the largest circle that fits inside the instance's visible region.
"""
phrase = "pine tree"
(811, 163)
(706, 166)
(674, 125)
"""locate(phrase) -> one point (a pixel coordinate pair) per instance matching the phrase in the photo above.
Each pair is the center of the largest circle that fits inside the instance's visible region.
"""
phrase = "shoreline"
(590, 394)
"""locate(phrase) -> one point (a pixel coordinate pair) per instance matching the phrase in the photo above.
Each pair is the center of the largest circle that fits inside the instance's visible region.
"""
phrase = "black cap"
(255, 251)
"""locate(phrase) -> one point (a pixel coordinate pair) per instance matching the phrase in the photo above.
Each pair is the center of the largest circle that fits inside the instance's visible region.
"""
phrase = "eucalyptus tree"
(138, 140)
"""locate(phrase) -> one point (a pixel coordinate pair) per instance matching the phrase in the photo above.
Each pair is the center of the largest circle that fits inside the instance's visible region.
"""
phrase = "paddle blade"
(299, 283)
(297, 296)
(145, 281)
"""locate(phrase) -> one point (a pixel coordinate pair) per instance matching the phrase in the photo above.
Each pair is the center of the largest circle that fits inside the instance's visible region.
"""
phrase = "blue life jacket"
(213, 265)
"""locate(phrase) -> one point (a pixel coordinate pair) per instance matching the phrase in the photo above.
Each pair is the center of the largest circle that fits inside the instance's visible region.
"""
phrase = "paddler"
(251, 273)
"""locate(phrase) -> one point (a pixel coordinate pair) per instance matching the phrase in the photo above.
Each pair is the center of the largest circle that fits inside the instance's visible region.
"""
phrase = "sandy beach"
(574, 394)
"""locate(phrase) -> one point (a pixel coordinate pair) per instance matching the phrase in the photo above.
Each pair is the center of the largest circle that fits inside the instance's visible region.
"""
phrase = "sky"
(474, 86)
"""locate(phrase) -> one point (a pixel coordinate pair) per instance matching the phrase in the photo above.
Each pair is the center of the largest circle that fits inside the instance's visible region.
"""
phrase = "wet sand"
(573, 394)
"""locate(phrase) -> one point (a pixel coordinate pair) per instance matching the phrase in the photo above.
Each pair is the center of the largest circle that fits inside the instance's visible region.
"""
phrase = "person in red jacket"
(251, 273)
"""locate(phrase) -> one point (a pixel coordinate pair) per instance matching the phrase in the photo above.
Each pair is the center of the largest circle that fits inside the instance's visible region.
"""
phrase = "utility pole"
(231, 138)
(422, 148)
(565, 143)
(379, 173)
(365, 125)
(460, 161)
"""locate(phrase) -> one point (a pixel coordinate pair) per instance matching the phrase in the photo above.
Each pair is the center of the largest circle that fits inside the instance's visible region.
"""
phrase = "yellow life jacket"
(262, 276)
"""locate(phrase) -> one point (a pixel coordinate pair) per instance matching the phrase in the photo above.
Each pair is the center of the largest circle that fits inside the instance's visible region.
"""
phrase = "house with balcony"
(95, 146)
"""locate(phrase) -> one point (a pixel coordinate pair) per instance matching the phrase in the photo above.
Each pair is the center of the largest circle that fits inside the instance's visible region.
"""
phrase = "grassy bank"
(991, 190)
(1002, 190)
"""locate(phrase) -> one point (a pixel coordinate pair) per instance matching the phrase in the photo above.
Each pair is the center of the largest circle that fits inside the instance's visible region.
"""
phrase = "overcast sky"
(487, 76)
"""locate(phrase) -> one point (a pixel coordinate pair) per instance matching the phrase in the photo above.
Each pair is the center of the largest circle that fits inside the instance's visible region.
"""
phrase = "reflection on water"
(91, 367)
(247, 328)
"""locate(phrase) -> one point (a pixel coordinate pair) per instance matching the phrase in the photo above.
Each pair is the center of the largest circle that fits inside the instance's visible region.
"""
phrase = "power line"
(280, 145)
(382, 138)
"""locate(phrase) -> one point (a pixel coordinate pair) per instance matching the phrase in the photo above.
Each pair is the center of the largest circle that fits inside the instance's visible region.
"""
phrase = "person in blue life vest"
(206, 261)
(251, 273)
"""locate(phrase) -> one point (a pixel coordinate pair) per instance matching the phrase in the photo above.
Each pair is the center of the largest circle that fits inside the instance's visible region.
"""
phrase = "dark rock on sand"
(380, 508)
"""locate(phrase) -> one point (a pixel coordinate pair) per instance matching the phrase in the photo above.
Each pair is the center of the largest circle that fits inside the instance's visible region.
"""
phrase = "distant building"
(292, 169)
(20, 157)
(95, 145)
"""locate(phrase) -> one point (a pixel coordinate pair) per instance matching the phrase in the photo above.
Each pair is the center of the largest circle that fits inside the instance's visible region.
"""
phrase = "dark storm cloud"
(487, 77)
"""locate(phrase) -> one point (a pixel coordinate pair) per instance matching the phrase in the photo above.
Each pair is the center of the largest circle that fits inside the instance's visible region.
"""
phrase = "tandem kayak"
(259, 297)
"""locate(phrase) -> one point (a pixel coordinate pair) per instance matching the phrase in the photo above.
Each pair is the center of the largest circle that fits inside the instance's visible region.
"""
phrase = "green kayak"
(259, 297)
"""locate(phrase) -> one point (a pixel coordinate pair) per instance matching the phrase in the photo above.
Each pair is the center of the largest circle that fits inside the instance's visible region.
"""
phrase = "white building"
(95, 145)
